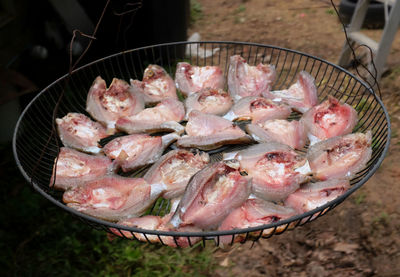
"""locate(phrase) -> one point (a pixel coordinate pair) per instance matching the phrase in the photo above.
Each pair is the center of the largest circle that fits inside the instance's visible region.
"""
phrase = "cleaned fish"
(210, 101)
(313, 195)
(206, 132)
(164, 117)
(80, 132)
(257, 109)
(156, 85)
(245, 80)
(301, 96)
(174, 170)
(107, 105)
(137, 150)
(291, 133)
(74, 168)
(211, 195)
(191, 79)
(147, 222)
(340, 157)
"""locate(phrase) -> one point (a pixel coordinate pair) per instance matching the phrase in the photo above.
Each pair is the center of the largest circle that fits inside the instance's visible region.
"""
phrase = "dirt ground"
(361, 236)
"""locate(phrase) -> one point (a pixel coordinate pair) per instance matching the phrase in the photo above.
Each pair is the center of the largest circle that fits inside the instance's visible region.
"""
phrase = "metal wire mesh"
(35, 145)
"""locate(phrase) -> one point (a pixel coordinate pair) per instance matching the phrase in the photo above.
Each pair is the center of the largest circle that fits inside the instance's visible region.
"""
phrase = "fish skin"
(107, 105)
(245, 80)
(174, 170)
(156, 85)
(340, 157)
(163, 117)
(210, 196)
(147, 222)
(79, 132)
(330, 119)
(74, 168)
(191, 79)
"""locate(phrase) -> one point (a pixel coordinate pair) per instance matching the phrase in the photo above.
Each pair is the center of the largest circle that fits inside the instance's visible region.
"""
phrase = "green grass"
(196, 11)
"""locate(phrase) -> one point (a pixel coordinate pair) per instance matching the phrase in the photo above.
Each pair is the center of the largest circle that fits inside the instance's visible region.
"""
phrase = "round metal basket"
(35, 144)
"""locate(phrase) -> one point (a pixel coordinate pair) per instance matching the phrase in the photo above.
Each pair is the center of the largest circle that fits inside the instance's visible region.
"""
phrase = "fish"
(73, 168)
(254, 212)
(245, 80)
(133, 151)
(291, 133)
(301, 96)
(107, 105)
(112, 198)
(156, 85)
(174, 170)
(257, 109)
(207, 132)
(79, 132)
(191, 79)
(329, 119)
(211, 195)
(313, 195)
(276, 169)
(164, 117)
(341, 156)
(209, 101)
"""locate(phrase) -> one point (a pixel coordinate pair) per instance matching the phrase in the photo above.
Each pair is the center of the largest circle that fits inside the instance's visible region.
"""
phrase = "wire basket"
(35, 142)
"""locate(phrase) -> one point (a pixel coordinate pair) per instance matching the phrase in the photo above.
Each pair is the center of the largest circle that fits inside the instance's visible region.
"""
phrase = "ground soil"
(361, 236)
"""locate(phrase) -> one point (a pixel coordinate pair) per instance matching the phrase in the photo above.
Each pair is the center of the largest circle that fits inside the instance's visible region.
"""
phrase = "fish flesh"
(191, 79)
(254, 212)
(313, 195)
(79, 132)
(257, 109)
(245, 80)
(330, 119)
(291, 133)
(206, 132)
(74, 168)
(164, 117)
(301, 96)
(211, 195)
(174, 170)
(276, 169)
(133, 151)
(340, 157)
(107, 105)
(209, 101)
(112, 197)
(156, 85)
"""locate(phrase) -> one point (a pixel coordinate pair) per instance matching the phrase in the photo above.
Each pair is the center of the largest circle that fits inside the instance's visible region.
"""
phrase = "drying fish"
(137, 150)
(211, 195)
(245, 80)
(80, 132)
(156, 85)
(74, 168)
(257, 109)
(210, 101)
(313, 195)
(329, 119)
(112, 197)
(107, 105)
(164, 117)
(253, 213)
(174, 170)
(191, 79)
(206, 132)
(147, 222)
(301, 96)
(291, 133)
(277, 170)
(340, 157)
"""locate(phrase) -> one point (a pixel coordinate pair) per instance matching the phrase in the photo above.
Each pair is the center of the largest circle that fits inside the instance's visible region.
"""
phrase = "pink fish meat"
(340, 157)
(156, 85)
(245, 80)
(191, 79)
